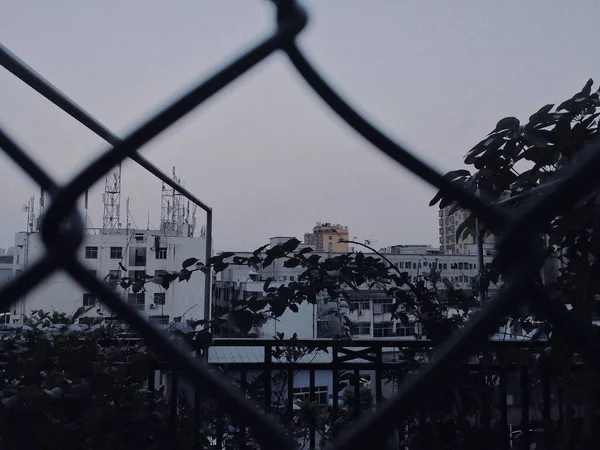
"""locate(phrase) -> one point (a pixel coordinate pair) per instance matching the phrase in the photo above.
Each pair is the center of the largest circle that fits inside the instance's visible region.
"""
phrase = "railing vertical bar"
(290, 394)
(173, 402)
(546, 403)
(244, 379)
(313, 422)
(485, 394)
(504, 438)
(561, 417)
(219, 429)
(356, 393)
(378, 375)
(244, 386)
(422, 424)
(525, 400)
(335, 381)
(267, 376)
(152, 379)
(198, 396)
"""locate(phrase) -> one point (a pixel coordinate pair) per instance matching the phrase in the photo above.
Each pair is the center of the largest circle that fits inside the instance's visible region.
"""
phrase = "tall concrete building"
(112, 254)
(325, 237)
(449, 245)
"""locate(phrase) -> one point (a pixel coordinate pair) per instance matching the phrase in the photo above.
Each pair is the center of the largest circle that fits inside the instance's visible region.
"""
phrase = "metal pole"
(480, 263)
(207, 275)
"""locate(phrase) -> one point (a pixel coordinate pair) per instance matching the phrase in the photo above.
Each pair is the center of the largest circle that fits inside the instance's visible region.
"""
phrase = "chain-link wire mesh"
(519, 253)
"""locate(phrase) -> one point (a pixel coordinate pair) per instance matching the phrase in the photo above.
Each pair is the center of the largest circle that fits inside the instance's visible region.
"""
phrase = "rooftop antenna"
(111, 198)
(127, 224)
(29, 208)
(40, 212)
(172, 210)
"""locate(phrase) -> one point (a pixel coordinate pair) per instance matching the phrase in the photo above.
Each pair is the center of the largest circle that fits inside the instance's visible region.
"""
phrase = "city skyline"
(266, 154)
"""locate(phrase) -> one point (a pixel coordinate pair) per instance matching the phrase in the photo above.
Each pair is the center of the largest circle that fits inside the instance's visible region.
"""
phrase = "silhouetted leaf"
(267, 284)
(291, 263)
(290, 245)
(184, 274)
(259, 250)
(189, 262)
(243, 320)
(202, 340)
(508, 123)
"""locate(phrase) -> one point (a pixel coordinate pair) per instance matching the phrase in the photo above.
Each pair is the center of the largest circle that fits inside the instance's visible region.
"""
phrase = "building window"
(382, 305)
(360, 304)
(137, 256)
(137, 274)
(159, 320)
(303, 394)
(159, 298)
(137, 300)
(383, 329)
(116, 252)
(407, 330)
(91, 253)
(162, 253)
(361, 329)
(89, 299)
(292, 278)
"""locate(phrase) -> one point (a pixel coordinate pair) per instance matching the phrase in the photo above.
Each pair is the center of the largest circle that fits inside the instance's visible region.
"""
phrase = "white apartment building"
(369, 310)
(6, 274)
(105, 252)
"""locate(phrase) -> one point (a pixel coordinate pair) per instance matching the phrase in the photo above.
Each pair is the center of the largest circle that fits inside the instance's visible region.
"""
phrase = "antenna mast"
(111, 198)
(172, 210)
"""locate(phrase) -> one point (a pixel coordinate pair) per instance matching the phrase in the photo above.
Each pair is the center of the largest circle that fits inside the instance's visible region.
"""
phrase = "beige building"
(448, 225)
(326, 237)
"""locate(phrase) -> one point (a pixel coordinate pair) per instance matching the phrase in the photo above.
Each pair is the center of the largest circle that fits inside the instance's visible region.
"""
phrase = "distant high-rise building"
(328, 237)
(449, 223)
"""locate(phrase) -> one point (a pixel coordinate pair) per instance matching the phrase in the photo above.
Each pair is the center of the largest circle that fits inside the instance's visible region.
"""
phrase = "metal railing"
(514, 399)
(519, 253)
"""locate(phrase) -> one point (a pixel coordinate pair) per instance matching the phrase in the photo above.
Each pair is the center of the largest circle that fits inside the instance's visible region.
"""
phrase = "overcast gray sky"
(266, 153)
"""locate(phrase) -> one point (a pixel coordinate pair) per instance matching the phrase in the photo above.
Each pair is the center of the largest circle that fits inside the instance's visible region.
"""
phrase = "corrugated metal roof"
(249, 355)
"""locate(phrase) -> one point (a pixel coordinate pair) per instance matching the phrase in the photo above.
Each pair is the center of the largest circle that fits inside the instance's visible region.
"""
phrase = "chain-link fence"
(519, 253)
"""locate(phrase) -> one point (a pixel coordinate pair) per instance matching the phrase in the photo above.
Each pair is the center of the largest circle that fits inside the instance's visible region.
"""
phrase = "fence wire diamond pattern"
(62, 233)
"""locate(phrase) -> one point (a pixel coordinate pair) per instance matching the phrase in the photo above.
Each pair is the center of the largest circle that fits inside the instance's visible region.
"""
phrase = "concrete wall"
(6, 269)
